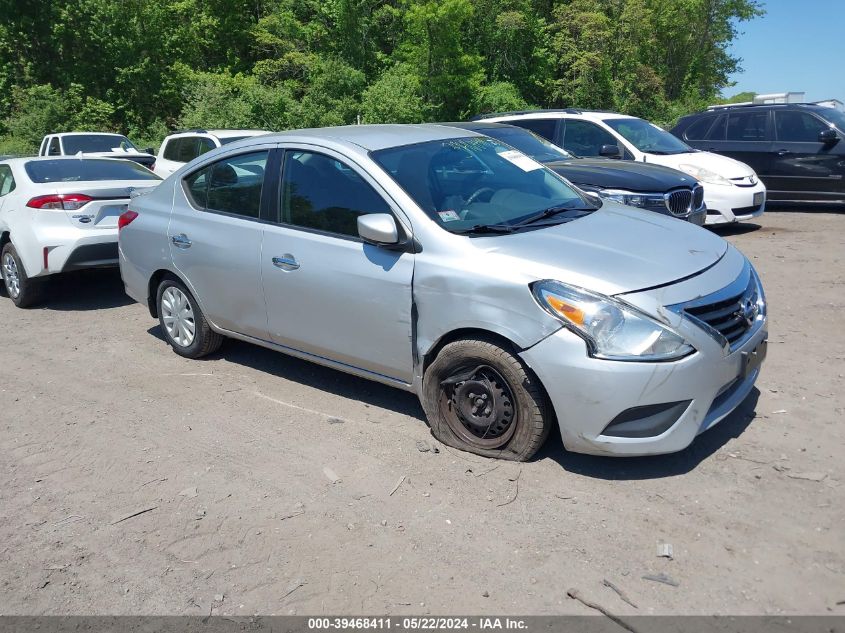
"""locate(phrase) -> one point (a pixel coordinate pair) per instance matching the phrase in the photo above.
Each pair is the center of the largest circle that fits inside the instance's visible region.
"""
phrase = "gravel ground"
(264, 484)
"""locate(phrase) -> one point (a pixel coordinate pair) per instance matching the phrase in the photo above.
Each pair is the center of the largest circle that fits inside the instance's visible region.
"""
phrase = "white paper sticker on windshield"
(448, 216)
(519, 159)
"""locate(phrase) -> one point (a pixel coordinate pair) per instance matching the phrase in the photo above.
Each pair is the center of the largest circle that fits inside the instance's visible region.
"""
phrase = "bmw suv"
(797, 148)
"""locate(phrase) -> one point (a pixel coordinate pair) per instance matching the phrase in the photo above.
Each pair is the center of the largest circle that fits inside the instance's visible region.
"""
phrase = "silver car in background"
(446, 263)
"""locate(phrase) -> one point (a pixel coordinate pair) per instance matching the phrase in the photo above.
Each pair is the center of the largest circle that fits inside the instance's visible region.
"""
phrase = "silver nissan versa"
(446, 263)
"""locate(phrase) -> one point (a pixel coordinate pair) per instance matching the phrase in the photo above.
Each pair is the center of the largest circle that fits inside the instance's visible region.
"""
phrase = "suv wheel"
(22, 290)
(480, 398)
(182, 321)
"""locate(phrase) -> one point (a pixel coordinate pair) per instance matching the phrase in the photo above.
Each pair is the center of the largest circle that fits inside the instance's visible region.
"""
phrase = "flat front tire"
(182, 322)
(480, 397)
(22, 290)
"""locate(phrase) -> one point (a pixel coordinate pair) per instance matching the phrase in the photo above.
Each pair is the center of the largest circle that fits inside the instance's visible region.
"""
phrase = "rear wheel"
(479, 397)
(22, 290)
(182, 321)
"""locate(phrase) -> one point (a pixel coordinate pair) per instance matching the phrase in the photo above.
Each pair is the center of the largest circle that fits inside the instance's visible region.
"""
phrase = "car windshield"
(96, 143)
(833, 116)
(86, 170)
(479, 185)
(647, 137)
(528, 143)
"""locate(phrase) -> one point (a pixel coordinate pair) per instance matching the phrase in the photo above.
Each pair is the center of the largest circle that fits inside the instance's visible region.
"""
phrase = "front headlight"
(643, 201)
(613, 330)
(704, 175)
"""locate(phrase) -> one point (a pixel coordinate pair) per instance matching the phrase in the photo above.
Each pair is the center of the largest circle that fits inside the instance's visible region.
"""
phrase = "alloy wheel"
(178, 316)
(11, 276)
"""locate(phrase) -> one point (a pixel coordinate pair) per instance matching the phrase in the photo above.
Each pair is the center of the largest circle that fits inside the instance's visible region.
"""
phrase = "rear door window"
(232, 185)
(747, 126)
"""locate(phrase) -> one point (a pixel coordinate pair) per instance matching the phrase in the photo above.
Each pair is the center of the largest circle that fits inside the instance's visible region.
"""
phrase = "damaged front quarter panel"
(498, 302)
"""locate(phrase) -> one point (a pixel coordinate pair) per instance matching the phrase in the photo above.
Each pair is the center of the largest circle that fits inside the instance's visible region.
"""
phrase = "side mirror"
(610, 151)
(828, 136)
(150, 150)
(378, 228)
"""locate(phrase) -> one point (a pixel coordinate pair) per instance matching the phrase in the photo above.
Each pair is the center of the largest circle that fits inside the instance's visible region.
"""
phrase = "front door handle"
(181, 241)
(783, 152)
(286, 262)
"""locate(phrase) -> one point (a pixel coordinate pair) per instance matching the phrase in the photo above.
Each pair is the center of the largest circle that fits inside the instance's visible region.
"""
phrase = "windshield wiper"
(479, 229)
(551, 211)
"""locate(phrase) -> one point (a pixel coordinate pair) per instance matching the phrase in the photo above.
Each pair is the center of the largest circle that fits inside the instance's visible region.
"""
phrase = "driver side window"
(585, 139)
(324, 194)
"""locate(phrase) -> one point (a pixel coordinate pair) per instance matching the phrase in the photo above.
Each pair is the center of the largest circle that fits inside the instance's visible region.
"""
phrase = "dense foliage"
(146, 66)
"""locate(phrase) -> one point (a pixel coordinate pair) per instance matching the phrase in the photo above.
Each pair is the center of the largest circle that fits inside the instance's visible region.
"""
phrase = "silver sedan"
(447, 263)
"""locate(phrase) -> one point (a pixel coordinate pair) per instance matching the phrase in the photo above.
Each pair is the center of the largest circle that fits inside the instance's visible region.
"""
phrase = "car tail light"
(152, 167)
(66, 201)
(126, 218)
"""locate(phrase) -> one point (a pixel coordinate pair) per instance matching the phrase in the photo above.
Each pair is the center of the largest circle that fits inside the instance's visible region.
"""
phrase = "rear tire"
(481, 398)
(182, 322)
(24, 291)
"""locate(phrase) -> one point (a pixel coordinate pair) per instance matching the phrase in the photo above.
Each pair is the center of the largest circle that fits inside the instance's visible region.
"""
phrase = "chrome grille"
(731, 317)
(678, 202)
(697, 196)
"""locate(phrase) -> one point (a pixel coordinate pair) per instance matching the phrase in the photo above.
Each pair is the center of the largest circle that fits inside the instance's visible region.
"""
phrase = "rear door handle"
(181, 241)
(286, 262)
(783, 152)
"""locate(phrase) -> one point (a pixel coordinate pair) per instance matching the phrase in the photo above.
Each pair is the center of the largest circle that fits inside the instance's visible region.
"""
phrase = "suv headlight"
(612, 329)
(704, 175)
(643, 201)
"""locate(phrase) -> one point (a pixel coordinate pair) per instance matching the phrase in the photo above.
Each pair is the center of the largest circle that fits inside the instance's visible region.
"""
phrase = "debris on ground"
(396, 487)
(576, 595)
(779, 411)
(134, 514)
(661, 577)
(331, 475)
(425, 447)
(812, 476)
(333, 420)
(664, 550)
(296, 584)
(516, 492)
(189, 492)
(618, 591)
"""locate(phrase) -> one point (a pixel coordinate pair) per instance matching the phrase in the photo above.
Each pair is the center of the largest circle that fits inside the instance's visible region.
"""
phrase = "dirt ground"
(269, 485)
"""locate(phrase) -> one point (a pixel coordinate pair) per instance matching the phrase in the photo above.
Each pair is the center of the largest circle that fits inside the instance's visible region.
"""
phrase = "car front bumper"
(731, 203)
(669, 402)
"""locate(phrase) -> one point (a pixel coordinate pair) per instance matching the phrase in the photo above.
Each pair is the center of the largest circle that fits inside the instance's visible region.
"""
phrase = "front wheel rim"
(479, 406)
(11, 276)
(177, 314)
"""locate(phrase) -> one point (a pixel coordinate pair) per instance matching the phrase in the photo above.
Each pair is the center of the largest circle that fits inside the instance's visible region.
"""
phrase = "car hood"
(722, 165)
(618, 174)
(614, 250)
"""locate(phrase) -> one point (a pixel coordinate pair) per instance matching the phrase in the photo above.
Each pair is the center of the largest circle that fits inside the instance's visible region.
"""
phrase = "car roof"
(556, 114)
(87, 134)
(373, 137)
(482, 125)
(218, 133)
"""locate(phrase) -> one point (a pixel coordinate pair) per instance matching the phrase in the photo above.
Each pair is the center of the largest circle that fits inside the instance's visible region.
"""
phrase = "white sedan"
(61, 214)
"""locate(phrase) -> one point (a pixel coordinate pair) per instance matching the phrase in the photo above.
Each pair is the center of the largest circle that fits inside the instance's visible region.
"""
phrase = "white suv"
(732, 191)
(183, 147)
